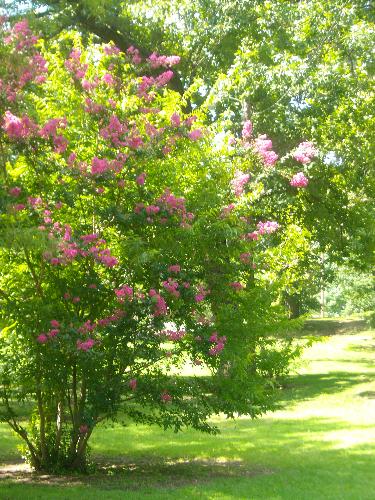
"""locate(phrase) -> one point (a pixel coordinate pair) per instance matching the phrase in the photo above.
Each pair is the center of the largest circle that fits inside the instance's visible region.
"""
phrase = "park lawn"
(319, 445)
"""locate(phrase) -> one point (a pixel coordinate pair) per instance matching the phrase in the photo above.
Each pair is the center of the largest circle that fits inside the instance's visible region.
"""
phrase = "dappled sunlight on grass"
(319, 444)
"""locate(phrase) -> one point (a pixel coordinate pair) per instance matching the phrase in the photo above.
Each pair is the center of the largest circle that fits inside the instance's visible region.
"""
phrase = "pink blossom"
(42, 338)
(160, 304)
(71, 159)
(263, 145)
(195, 134)
(227, 210)
(52, 333)
(176, 120)
(134, 53)
(213, 337)
(17, 128)
(86, 345)
(252, 236)
(156, 61)
(99, 166)
(54, 323)
(247, 129)
(111, 50)
(133, 384)
(267, 227)
(305, 152)
(299, 180)
(175, 268)
(50, 128)
(108, 79)
(125, 292)
(171, 286)
(165, 397)
(19, 207)
(141, 178)
(88, 238)
(219, 344)
(239, 181)
(15, 191)
(164, 78)
(245, 258)
(75, 300)
(236, 285)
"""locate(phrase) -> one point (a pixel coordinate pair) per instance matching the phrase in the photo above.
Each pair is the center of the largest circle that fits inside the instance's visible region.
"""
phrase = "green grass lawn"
(319, 445)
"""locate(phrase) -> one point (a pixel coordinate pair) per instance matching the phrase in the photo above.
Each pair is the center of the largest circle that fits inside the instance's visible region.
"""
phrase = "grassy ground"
(320, 445)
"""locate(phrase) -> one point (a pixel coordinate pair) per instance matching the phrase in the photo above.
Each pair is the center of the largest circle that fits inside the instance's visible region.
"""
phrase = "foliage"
(350, 292)
(131, 246)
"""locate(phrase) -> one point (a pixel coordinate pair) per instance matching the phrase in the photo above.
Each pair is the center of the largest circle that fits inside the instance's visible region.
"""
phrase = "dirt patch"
(122, 473)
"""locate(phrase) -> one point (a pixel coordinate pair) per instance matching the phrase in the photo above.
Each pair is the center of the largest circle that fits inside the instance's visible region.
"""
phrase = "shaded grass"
(319, 445)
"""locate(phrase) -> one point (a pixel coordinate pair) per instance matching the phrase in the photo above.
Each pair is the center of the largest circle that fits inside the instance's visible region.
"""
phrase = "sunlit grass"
(319, 445)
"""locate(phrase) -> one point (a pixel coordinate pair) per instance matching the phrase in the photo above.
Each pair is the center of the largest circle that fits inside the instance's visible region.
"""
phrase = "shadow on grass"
(308, 386)
(327, 328)
(184, 460)
(124, 473)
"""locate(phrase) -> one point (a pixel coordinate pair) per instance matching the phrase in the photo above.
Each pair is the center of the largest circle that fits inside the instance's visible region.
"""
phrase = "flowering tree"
(129, 250)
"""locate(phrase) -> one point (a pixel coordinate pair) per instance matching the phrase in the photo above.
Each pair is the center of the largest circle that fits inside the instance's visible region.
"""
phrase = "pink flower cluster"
(299, 180)
(123, 293)
(173, 335)
(174, 268)
(114, 131)
(196, 134)
(239, 181)
(23, 128)
(156, 61)
(43, 338)
(267, 227)
(141, 178)
(171, 286)
(225, 211)
(247, 130)
(50, 130)
(168, 204)
(219, 344)
(21, 35)
(18, 128)
(245, 258)
(305, 152)
(236, 285)
(149, 81)
(134, 54)
(166, 398)
(202, 294)
(100, 166)
(74, 66)
(70, 250)
(263, 146)
(111, 50)
(160, 306)
(85, 345)
(133, 384)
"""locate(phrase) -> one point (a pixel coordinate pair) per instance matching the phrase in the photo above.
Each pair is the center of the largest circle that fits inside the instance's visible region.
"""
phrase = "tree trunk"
(293, 303)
